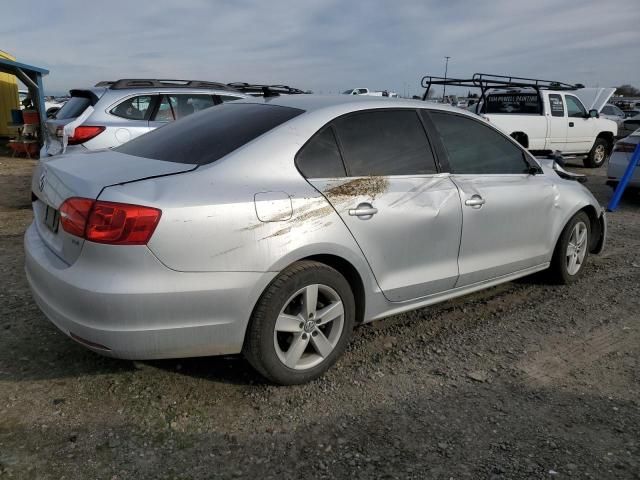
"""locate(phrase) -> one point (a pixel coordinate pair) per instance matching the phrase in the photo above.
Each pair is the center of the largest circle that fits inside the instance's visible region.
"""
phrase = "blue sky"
(326, 46)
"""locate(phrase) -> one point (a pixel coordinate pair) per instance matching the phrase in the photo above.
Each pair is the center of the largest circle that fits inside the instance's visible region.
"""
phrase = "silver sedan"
(273, 226)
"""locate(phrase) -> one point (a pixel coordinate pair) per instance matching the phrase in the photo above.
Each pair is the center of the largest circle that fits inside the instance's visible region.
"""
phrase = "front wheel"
(301, 324)
(572, 250)
(598, 154)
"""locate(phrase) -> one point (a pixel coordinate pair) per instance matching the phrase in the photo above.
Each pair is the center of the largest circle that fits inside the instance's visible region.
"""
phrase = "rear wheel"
(572, 250)
(598, 154)
(301, 324)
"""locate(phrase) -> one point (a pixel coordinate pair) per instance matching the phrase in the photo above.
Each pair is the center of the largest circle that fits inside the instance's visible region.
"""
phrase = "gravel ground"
(520, 381)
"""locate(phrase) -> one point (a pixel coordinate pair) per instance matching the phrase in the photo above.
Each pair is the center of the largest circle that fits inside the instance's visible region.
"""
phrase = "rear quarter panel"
(210, 220)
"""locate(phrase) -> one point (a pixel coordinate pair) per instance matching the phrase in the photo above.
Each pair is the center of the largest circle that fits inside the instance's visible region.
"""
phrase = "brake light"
(624, 147)
(121, 223)
(109, 222)
(84, 133)
(73, 215)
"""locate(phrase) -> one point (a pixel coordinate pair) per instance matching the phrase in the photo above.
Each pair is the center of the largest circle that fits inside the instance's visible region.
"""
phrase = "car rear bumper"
(122, 302)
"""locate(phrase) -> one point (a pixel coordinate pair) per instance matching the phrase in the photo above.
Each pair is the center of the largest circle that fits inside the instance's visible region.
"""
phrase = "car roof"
(312, 102)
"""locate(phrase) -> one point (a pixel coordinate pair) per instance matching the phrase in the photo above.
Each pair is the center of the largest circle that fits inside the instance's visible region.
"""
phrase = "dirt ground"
(524, 380)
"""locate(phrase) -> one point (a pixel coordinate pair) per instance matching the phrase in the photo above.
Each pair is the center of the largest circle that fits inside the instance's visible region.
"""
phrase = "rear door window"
(514, 103)
(134, 108)
(475, 148)
(165, 111)
(174, 107)
(320, 157)
(557, 106)
(210, 134)
(384, 142)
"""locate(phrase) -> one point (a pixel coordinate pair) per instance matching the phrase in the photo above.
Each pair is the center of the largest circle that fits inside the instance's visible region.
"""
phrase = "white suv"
(112, 113)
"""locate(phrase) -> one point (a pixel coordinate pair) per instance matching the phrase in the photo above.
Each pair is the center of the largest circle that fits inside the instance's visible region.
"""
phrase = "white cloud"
(325, 45)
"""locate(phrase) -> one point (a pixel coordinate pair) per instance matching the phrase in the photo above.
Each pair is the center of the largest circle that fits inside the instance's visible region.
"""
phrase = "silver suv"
(112, 113)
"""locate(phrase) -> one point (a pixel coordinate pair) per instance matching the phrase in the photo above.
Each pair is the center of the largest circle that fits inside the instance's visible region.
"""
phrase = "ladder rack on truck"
(488, 81)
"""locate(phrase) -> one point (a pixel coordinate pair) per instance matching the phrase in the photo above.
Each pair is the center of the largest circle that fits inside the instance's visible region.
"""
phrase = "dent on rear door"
(411, 242)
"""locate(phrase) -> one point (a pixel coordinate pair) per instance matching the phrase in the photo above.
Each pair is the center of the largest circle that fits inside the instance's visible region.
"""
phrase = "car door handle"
(571, 124)
(363, 210)
(476, 201)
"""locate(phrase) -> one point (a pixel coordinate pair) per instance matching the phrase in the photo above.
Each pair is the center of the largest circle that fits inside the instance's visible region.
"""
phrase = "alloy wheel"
(309, 327)
(599, 154)
(576, 248)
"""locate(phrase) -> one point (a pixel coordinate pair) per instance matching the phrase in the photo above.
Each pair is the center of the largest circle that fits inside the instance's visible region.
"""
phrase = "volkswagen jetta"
(273, 226)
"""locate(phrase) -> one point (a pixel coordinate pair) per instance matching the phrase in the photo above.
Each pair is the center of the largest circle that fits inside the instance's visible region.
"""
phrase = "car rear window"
(514, 103)
(73, 108)
(209, 135)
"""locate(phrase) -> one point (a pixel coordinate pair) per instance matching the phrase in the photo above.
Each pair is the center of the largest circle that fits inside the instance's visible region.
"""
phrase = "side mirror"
(593, 113)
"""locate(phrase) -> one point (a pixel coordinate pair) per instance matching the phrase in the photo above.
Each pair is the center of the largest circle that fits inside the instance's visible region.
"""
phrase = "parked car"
(619, 161)
(630, 125)
(559, 121)
(611, 112)
(370, 93)
(112, 113)
(272, 227)
(631, 112)
(544, 115)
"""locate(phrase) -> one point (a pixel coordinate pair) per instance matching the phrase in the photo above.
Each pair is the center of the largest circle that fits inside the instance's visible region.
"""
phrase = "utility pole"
(444, 87)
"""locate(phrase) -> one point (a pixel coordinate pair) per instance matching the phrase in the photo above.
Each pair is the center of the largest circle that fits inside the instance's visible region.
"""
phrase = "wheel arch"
(598, 228)
(596, 224)
(609, 137)
(348, 263)
(350, 272)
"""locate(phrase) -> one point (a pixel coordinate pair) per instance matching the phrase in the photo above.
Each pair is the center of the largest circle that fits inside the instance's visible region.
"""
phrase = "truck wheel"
(598, 154)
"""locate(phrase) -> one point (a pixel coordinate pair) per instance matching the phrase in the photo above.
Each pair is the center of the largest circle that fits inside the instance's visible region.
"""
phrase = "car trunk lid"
(85, 176)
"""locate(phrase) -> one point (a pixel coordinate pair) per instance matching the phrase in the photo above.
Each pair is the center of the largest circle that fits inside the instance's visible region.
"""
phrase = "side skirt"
(396, 308)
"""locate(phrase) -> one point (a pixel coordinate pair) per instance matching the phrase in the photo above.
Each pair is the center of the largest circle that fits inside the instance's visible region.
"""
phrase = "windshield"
(210, 134)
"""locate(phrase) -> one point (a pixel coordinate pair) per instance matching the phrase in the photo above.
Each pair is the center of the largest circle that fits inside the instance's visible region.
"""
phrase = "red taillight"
(624, 147)
(73, 215)
(109, 222)
(84, 133)
(121, 223)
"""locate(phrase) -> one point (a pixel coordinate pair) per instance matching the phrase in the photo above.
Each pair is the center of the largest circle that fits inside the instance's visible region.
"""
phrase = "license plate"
(52, 219)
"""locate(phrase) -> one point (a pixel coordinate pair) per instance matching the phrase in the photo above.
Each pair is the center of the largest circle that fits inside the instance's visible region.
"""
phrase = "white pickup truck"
(554, 120)
(371, 93)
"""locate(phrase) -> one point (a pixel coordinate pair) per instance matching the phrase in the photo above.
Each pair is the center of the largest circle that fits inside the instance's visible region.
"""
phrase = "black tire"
(259, 346)
(558, 272)
(599, 153)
